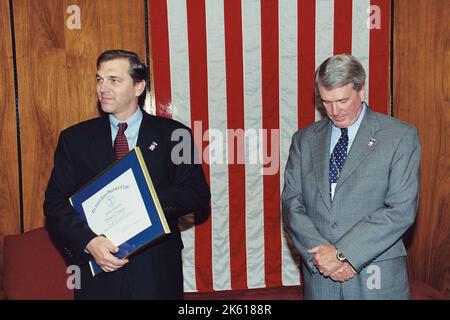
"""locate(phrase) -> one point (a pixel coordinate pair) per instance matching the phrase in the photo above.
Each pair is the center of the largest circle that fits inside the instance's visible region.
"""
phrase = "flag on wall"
(240, 74)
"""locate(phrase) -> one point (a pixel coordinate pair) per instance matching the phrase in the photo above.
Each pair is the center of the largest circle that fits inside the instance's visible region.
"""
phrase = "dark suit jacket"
(83, 151)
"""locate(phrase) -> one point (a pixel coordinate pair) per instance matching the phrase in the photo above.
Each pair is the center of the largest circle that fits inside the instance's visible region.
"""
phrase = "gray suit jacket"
(375, 203)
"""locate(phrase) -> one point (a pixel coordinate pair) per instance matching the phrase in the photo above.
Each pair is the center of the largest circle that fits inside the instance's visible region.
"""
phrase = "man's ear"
(140, 87)
(362, 93)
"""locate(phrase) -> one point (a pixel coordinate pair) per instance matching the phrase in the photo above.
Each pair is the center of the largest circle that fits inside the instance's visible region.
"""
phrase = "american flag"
(221, 65)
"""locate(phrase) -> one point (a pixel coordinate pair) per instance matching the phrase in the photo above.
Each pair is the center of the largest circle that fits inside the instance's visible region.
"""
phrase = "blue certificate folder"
(98, 188)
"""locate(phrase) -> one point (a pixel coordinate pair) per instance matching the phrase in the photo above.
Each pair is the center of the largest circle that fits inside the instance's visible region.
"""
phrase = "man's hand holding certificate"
(101, 248)
(121, 206)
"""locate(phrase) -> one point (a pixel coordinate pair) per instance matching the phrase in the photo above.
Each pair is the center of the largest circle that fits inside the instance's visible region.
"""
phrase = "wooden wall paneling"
(57, 76)
(43, 95)
(422, 97)
(9, 186)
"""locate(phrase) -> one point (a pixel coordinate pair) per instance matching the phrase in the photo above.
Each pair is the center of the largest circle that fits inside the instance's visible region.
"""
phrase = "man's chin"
(106, 108)
(340, 123)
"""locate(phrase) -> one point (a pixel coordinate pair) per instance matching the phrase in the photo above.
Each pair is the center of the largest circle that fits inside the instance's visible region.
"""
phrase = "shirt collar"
(131, 121)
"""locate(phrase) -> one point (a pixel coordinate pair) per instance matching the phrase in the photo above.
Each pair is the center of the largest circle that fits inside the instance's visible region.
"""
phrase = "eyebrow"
(323, 100)
(109, 77)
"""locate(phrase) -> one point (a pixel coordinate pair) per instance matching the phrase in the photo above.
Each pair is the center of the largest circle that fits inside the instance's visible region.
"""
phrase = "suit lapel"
(101, 145)
(145, 132)
(320, 151)
(360, 149)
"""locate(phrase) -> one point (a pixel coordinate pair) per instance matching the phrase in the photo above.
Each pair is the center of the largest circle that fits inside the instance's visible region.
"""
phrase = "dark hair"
(138, 70)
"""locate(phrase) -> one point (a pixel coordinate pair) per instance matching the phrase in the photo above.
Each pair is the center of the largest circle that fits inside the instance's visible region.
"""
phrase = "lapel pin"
(153, 146)
(371, 143)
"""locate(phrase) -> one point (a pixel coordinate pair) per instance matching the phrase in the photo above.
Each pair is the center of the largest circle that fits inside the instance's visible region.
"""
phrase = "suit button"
(334, 225)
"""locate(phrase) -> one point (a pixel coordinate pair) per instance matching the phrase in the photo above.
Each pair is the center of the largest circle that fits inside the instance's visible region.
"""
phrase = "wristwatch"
(340, 256)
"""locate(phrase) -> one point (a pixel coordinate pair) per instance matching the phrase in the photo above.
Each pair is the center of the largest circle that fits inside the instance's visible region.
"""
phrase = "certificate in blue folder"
(121, 204)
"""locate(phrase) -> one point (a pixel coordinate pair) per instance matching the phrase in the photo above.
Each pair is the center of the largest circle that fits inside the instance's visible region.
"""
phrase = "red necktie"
(121, 143)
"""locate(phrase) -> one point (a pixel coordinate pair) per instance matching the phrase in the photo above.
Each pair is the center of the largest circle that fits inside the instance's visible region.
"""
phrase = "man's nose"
(334, 108)
(103, 86)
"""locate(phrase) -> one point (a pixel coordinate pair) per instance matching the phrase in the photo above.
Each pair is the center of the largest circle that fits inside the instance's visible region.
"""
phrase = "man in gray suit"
(351, 192)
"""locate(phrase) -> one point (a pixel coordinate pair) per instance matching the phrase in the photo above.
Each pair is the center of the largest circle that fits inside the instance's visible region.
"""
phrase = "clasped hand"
(325, 260)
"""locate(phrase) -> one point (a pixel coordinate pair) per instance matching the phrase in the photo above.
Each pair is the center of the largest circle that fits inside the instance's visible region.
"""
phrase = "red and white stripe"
(249, 65)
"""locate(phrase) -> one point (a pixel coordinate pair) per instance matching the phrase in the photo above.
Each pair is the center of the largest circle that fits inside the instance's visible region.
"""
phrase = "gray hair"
(338, 71)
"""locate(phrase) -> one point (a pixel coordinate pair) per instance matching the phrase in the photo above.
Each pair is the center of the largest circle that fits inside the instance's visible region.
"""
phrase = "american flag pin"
(153, 146)
(371, 143)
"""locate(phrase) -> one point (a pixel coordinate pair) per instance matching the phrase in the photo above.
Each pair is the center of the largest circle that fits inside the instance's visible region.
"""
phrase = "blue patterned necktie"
(338, 156)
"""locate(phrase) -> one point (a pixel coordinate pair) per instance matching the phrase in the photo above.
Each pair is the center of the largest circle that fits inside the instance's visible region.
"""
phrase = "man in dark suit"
(87, 148)
(351, 191)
